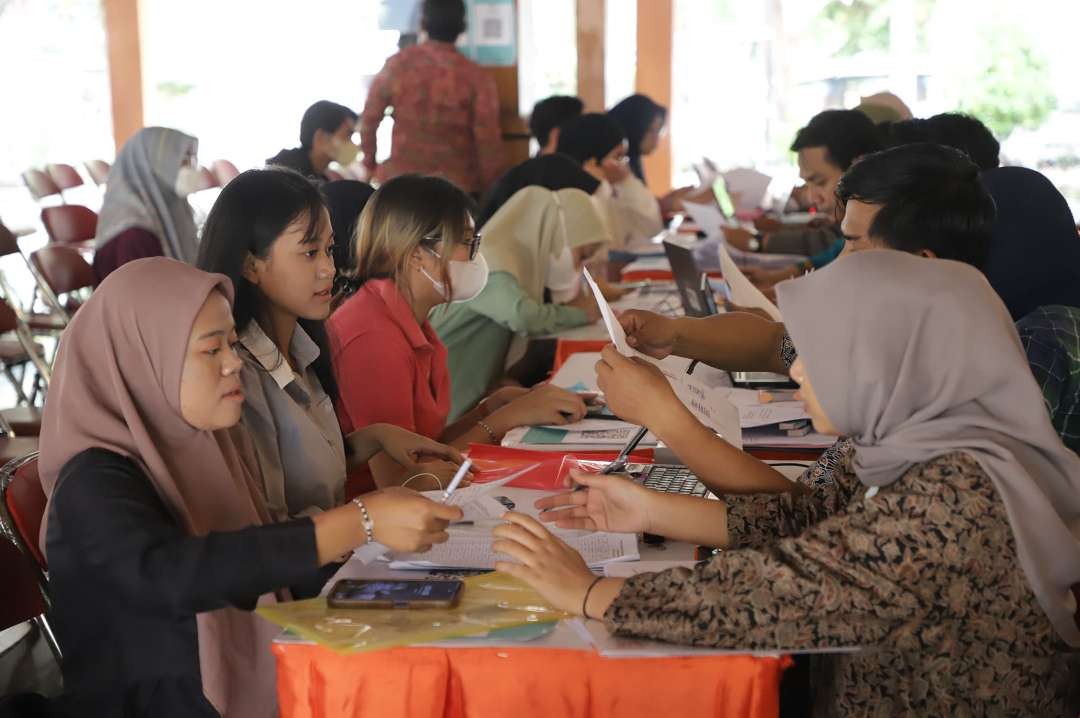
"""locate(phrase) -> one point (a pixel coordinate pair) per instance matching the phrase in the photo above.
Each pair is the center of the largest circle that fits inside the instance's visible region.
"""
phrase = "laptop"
(698, 301)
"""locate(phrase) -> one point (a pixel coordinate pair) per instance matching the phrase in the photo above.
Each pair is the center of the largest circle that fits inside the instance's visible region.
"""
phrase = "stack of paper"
(753, 413)
(594, 434)
(773, 437)
(648, 264)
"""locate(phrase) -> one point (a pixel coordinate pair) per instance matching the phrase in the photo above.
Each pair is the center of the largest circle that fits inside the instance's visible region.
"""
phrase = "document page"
(743, 291)
(474, 551)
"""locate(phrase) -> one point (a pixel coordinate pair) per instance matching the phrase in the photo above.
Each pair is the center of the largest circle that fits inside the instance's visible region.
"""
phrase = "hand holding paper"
(707, 217)
(706, 404)
(743, 291)
(636, 391)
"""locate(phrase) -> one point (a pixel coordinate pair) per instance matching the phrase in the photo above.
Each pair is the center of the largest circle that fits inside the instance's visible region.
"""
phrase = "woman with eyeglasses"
(270, 233)
(415, 250)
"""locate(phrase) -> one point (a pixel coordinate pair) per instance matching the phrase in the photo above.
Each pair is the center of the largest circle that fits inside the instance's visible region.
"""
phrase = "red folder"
(491, 463)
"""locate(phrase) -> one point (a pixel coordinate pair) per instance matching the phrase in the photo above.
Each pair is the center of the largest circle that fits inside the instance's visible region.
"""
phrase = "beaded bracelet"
(489, 430)
(368, 524)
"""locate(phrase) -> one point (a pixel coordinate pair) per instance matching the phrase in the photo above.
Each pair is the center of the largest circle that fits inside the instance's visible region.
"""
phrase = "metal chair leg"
(20, 395)
(42, 624)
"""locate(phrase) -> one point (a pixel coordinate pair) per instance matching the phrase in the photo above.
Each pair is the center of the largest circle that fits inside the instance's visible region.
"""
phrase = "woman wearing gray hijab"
(947, 550)
(146, 212)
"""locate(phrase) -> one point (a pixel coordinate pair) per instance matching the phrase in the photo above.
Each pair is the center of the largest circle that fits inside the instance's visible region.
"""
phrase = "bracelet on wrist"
(588, 592)
(365, 520)
(490, 432)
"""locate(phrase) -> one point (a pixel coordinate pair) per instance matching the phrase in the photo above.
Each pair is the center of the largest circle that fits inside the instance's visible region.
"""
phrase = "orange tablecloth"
(565, 347)
(315, 682)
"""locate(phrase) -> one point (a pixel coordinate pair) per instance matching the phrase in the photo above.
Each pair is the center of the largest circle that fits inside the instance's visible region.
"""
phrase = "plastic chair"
(22, 508)
(70, 223)
(224, 172)
(40, 184)
(63, 271)
(65, 176)
(18, 353)
(98, 171)
(38, 323)
(25, 421)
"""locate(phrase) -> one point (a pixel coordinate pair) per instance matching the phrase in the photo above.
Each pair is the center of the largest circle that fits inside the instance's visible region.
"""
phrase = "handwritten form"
(475, 551)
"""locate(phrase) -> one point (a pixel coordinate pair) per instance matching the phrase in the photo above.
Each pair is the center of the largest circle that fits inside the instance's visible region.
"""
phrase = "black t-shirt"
(126, 582)
(297, 159)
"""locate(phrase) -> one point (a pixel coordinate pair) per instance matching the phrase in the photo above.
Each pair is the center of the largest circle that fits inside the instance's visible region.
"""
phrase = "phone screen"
(402, 592)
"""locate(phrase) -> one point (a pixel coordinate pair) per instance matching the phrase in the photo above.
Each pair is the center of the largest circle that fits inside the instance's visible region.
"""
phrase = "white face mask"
(188, 180)
(467, 278)
(563, 278)
(345, 153)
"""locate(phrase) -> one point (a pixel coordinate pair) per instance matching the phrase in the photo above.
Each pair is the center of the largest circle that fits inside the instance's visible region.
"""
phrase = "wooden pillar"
(655, 29)
(515, 133)
(590, 53)
(125, 67)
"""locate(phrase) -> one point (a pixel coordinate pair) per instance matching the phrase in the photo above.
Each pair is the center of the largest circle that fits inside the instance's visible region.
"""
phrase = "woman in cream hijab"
(526, 244)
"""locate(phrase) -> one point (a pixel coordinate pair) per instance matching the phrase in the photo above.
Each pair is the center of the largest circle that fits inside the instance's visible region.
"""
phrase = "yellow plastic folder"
(489, 602)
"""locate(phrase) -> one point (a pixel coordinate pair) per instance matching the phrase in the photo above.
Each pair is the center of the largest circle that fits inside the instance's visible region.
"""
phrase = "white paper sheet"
(591, 425)
(615, 435)
(475, 506)
(707, 217)
(769, 414)
(747, 187)
(611, 322)
(743, 291)
(467, 551)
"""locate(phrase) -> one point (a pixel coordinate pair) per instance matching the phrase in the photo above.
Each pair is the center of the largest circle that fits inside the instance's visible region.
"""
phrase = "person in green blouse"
(526, 243)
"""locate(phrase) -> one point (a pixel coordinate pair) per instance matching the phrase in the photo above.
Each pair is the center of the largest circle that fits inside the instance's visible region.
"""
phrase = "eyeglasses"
(473, 244)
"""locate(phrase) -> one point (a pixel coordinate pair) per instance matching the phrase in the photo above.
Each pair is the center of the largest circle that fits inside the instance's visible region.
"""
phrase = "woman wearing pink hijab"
(158, 538)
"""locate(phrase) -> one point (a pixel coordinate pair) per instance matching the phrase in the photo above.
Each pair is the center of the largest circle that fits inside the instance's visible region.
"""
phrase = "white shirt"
(292, 424)
(634, 213)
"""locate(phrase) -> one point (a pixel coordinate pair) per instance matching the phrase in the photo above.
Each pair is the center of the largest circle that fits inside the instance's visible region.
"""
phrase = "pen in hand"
(456, 481)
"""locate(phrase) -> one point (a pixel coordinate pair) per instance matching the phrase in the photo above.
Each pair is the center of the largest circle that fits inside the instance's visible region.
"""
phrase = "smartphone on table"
(395, 593)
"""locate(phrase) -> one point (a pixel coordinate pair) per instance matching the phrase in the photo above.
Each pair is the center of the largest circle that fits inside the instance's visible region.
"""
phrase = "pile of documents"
(470, 544)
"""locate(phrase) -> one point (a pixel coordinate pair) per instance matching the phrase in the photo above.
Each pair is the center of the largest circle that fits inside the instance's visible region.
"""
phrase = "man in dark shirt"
(325, 136)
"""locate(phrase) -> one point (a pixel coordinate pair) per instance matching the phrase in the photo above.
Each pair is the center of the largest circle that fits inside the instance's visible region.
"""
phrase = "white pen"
(454, 482)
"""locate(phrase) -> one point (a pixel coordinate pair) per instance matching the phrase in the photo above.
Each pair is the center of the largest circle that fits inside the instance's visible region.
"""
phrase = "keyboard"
(669, 478)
